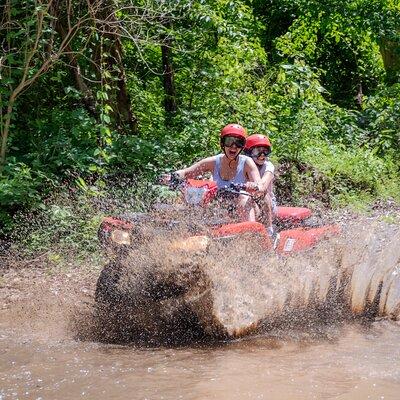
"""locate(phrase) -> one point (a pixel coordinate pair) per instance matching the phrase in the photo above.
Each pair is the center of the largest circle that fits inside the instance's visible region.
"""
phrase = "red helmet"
(235, 130)
(257, 140)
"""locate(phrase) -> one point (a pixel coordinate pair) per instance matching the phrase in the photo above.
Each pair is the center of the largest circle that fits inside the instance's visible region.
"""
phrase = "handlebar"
(173, 180)
(176, 181)
(234, 188)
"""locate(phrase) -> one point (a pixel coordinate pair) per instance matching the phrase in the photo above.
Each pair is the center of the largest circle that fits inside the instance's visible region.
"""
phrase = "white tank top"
(239, 178)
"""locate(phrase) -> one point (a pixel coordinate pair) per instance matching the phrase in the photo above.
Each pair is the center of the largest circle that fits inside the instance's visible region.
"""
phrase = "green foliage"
(382, 118)
(298, 106)
(19, 187)
(342, 40)
(60, 141)
(355, 171)
(221, 60)
(336, 175)
(65, 223)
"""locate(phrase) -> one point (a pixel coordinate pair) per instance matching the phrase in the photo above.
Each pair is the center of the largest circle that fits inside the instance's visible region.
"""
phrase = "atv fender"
(298, 239)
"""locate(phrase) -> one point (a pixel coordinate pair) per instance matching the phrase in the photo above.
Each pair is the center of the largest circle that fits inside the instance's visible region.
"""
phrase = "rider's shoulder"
(212, 158)
(208, 160)
(248, 161)
(269, 166)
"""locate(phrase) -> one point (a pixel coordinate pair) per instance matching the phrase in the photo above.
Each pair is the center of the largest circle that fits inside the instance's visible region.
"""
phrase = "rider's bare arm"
(267, 177)
(197, 169)
(252, 175)
(265, 181)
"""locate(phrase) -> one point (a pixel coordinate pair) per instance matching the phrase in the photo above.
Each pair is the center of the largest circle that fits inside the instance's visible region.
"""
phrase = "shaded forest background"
(101, 91)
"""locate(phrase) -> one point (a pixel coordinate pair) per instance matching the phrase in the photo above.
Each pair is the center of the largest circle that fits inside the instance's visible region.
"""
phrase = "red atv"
(293, 234)
(155, 294)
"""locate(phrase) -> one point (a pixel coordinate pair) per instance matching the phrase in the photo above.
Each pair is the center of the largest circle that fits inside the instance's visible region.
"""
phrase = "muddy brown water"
(349, 362)
(41, 357)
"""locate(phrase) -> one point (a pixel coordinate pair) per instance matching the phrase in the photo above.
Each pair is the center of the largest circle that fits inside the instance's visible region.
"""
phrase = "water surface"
(335, 362)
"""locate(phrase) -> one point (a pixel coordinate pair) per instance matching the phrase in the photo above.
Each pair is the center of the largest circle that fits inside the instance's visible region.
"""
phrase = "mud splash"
(308, 342)
(150, 293)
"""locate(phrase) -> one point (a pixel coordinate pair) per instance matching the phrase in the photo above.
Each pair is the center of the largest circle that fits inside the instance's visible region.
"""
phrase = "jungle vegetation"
(99, 90)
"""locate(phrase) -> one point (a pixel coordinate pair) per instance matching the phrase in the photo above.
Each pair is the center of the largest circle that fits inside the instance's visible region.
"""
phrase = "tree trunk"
(170, 105)
(124, 112)
(5, 131)
(391, 59)
(168, 78)
(359, 97)
(88, 98)
(120, 100)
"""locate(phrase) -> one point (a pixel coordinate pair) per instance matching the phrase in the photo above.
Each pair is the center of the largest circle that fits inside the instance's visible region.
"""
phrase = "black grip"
(175, 181)
(237, 186)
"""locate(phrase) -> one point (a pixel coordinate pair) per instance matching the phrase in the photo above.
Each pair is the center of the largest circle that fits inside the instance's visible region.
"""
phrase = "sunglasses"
(259, 151)
(229, 141)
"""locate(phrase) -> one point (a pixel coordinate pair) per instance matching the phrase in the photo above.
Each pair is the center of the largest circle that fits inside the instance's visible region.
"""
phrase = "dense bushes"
(19, 187)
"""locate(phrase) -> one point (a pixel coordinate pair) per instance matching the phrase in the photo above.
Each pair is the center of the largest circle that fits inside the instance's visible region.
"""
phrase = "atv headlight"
(120, 237)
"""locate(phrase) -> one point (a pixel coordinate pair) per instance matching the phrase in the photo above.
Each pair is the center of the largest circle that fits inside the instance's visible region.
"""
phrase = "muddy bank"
(44, 298)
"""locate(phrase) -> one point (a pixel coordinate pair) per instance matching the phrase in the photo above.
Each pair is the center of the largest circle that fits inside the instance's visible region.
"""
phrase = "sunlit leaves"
(341, 39)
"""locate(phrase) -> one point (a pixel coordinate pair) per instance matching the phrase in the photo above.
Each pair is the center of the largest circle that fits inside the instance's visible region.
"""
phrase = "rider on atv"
(229, 167)
(258, 147)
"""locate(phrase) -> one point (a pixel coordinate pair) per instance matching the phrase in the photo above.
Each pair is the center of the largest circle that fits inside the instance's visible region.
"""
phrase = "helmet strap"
(238, 154)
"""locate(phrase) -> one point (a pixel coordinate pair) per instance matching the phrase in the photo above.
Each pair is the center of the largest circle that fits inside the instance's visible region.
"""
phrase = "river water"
(41, 357)
(332, 362)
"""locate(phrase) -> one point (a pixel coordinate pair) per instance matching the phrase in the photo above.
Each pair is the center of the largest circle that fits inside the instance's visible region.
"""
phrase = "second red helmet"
(257, 140)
